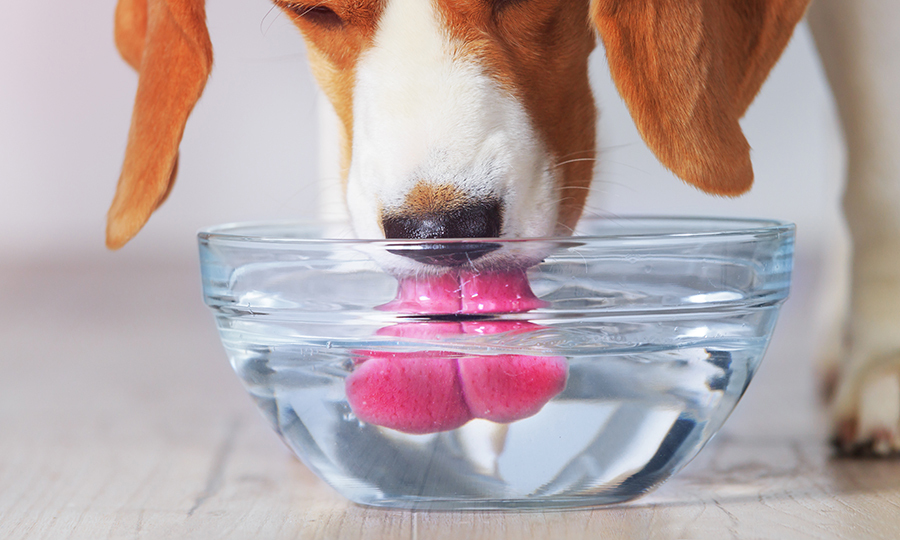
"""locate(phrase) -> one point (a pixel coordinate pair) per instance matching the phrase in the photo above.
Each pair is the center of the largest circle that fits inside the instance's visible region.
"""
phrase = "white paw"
(867, 410)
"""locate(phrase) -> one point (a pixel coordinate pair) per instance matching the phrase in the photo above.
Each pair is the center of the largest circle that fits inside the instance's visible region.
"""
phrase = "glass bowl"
(495, 373)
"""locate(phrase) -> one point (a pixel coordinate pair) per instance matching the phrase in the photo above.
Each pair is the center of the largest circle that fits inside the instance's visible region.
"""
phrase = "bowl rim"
(241, 231)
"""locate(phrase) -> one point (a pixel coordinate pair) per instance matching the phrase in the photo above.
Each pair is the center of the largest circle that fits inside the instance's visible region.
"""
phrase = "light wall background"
(252, 148)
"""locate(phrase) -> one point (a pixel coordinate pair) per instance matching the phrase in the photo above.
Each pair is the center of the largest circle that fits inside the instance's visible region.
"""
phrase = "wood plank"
(120, 418)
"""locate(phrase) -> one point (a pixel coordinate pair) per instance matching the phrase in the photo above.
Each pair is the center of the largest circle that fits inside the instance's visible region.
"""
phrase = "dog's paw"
(867, 410)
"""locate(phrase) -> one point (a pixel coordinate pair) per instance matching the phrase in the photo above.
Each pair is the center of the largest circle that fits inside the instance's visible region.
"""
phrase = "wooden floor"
(120, 418)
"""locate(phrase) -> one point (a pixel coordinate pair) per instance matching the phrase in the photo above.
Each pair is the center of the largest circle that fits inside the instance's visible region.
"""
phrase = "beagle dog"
(475, 118)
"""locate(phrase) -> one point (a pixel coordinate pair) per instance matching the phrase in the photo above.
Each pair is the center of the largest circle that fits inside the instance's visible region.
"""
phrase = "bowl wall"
(639, 339)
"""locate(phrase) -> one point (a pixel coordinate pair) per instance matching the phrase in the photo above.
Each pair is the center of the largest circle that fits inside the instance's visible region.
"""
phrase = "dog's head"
(474, 118)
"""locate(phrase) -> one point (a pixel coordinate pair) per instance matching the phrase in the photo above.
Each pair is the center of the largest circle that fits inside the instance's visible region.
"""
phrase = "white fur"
(879, 412)
(424, 112)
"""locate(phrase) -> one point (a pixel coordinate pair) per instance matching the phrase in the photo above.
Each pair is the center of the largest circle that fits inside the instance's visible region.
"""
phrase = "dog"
(475, 119)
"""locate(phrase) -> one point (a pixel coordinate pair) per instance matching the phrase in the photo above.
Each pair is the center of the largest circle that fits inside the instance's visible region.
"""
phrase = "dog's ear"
(688, 70)
(166, 41)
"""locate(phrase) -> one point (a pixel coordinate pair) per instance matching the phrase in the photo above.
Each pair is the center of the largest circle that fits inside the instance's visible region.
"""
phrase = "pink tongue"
(510, 387)
(464, 292)
(409, 393)
(432, 391)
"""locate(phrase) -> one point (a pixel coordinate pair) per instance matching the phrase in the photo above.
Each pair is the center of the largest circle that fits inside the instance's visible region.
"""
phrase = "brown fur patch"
(427, 198)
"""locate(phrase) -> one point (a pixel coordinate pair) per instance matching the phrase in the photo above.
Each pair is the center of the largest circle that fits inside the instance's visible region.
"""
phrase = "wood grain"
(120, 418)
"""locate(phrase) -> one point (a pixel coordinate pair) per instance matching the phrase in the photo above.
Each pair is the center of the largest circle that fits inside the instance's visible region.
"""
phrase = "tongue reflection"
(433, 390)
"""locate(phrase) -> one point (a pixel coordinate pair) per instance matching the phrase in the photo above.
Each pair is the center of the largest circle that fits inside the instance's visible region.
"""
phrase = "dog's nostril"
(477, 220)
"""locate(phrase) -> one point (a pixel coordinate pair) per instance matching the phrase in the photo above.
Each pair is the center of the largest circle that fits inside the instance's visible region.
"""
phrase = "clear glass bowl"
(475, 374)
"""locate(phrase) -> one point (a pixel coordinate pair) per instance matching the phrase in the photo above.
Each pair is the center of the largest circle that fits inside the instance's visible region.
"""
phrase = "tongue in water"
(461, 293)
(433, 390)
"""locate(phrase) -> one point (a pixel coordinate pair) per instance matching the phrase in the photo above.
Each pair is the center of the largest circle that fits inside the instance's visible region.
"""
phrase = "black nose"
(474, 220)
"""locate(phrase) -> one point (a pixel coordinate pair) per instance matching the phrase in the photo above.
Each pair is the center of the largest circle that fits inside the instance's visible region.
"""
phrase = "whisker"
(576, 153)
(266, 16)
(625, 164)
(600, 213)
(616, 147)
(561, 163)
(312, 7)
(561, 225)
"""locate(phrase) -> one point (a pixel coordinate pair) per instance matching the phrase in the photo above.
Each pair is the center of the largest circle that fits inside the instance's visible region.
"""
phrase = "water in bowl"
(641, 397)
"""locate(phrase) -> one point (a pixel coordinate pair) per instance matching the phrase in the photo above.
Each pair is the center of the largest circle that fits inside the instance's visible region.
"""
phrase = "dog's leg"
(858, 41)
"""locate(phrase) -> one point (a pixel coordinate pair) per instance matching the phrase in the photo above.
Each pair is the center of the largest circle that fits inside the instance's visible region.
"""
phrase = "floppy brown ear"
(688, 70)
(167, 42)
